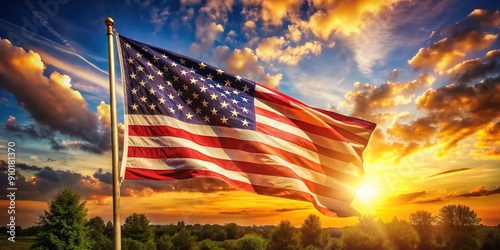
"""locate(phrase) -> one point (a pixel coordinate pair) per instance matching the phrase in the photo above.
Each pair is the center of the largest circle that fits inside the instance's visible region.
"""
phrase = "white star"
(203, 89)
(142, 83)
(179, 93)
(132, 76)
(134, 106)
(236, 92)
(183, 72)
(206, 118)
(224, 104)
(160, 87)
(224, 119)
(245, 122)
(127, 45)
(149, 64)
(152, 106)
(220, 71)
(245, 110)
(130, 60)
(145, 50)
(198, 110)
(171, 110)
(159, 73)
(238, 78)
(218, 85)
(182, 61)
(189, 116)
(244, 99)
(202, 79)
(246, 88)
(138, 55)
(195, 96)
(174, 64)
(170, 96)
(214, 111)
(211, 86)
(169, 83)
(134, 91)
(228, 83)
(162, 101)
(165, 68)
(193, 81)
(152, 91)
(150, 77)
(143, 99)
(140, 68)
(234, 113)
(227, 92)
(191, 70)
(155, 58)
(189, 101)
(204, 103)
(164, 56)
(179, 106)
(209, 76)
(214, 96)
(202, 65)
(234, 101)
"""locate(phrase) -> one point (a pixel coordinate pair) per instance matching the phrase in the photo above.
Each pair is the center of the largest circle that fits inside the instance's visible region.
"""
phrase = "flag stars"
(138, 55)
(218, 85)
(185, 87)
(134, 91)
(206, 118)
(174, 64)
(127, 45)
(182, 61)
(134, 106)
(159, 73)
(189, 116)
(165, 68)
(143, 99)
(192, 70)
(162, 100)
(164, 56)
(152, 91)
(227, 83)
(227, 92)
(130, 60)
(234, 101)
(195, 96)
(244, 99)
(142, 83)
(145, 50)
(198, 110)
(202, 65)
(213, 96)
(204, 103)
(152, 106)
(236, 92)
(214, 111)
(169, 83)
(140, 68)
(193, 81)
(224, 104)
(219, 71)
(179, 106)
(189, 102)
(132, 76)
(246, 88)
(210, 76)
(203, 89)
(171, 97)
(223, 119)
(149, 64)
(155, 58)
(183, 72)
(150, 77)
(234, 113)
(171, 110)
(244, 122)
(176, 78)
(245, 110)
(238, 78)
(160, 87)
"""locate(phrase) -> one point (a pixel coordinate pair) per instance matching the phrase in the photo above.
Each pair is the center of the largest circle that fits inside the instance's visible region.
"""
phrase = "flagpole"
(114, 138)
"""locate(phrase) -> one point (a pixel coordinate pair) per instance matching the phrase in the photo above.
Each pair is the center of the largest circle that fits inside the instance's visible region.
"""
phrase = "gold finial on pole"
(109, 23)
(114, 138)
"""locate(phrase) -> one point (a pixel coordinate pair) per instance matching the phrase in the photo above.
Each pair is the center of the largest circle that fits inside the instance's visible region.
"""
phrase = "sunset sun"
(367, 192)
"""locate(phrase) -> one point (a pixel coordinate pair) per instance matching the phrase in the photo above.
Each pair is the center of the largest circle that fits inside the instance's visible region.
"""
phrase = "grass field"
(22, 243)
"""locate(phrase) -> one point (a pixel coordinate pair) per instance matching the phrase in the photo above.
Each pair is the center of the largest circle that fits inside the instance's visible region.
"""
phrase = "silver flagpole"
(117, 239)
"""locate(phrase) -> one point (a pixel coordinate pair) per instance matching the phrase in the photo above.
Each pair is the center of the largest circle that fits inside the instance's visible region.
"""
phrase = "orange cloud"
(271, 49)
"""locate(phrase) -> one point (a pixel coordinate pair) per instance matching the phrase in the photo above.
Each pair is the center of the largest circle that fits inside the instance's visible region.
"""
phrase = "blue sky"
(425, 71)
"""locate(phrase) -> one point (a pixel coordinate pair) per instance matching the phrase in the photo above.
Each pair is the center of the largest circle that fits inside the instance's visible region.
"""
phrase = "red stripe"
(254, 147)
(240, 166)
(148, 174)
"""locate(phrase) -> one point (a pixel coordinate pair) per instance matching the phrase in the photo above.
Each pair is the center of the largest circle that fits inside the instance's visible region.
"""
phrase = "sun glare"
(367, 192)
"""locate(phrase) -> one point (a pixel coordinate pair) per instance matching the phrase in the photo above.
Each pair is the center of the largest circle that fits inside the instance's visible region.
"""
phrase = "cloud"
(405, 198)
(447, 172)
(464, 37)
(206, 34)
(277, 49)
(435, 196)
(158, 17)
(474, 69)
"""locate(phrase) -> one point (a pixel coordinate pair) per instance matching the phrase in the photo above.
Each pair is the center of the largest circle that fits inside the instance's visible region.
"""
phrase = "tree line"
(65, 226)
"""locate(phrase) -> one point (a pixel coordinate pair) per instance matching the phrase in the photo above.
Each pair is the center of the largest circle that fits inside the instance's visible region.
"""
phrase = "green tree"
(183, 240)
(109, 230)
(312, 233)
(422, 222)
(284, 237)
(165, 243)
(97, 227)
(492, 240)
(459, 223)
(63, 225)
(137, 227)
(368, 234)
(232, 231)
(208, 244)
(131, 244)
(402, 235)
(251, 242)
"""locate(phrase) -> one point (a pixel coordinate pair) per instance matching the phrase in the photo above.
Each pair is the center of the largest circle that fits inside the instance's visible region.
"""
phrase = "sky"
(427, 72)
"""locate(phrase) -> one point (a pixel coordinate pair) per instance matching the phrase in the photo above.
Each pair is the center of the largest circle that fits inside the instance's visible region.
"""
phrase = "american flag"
(185, 118)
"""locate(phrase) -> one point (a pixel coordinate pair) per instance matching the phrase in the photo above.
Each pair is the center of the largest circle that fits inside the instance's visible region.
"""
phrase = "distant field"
(22, 243)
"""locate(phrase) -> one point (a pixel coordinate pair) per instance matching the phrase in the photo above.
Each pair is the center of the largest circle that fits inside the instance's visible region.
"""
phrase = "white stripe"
(255, 179)
(243, 156)
(352, 168)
